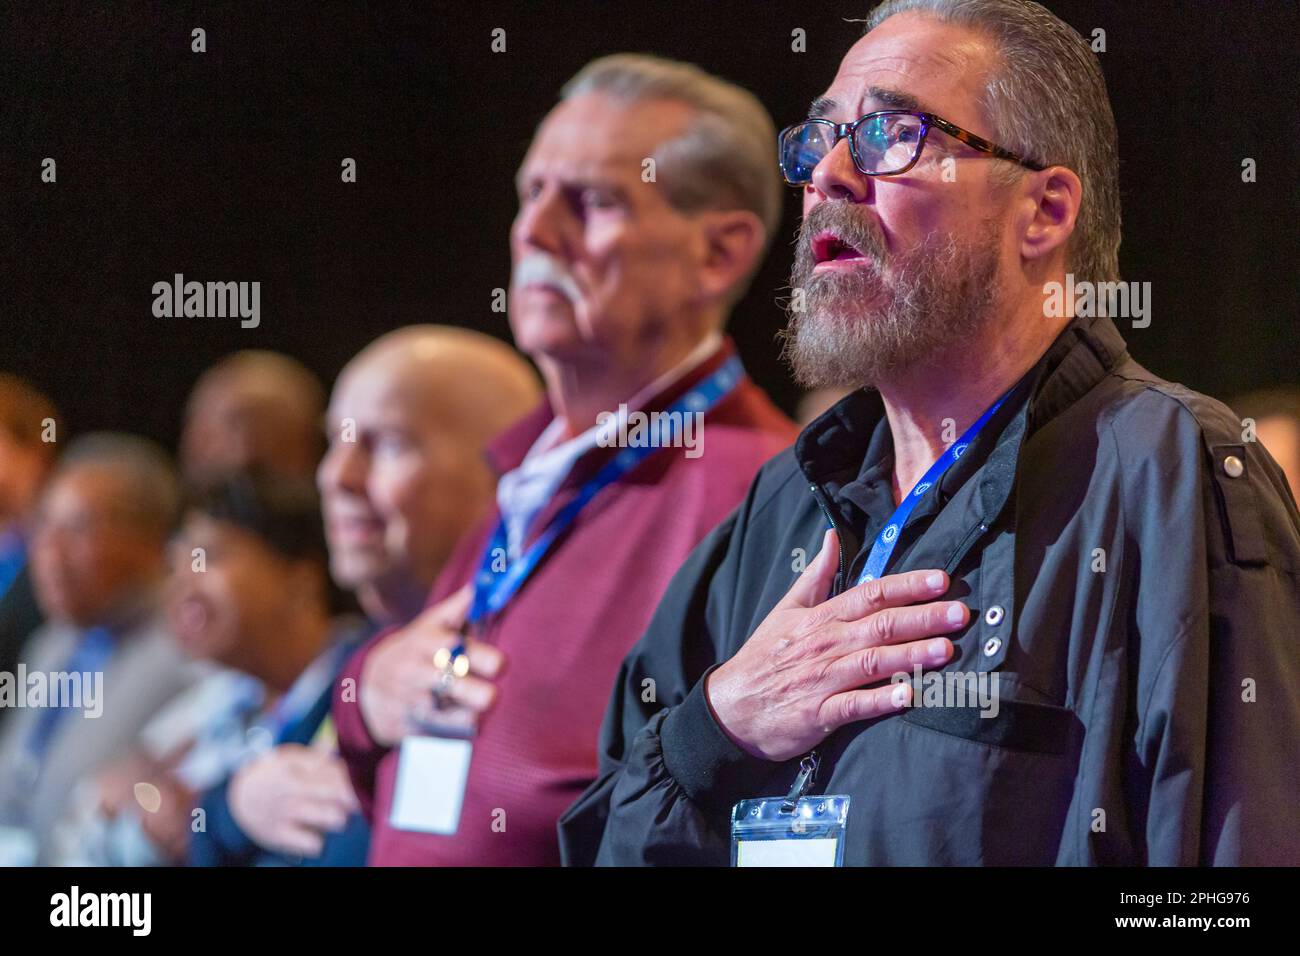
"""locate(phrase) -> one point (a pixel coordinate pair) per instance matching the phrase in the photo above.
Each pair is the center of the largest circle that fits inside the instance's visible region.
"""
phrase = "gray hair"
(151, 491)
(1048, 103)
(726, 160)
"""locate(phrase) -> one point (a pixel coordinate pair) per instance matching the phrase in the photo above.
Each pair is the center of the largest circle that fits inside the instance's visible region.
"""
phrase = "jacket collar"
(1081, 356)
(830, 450)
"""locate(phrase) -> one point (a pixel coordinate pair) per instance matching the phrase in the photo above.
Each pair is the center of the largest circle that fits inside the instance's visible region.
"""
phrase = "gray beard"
(861, 327)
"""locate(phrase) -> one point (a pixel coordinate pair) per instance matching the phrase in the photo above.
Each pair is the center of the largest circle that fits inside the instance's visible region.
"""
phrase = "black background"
(226, 166)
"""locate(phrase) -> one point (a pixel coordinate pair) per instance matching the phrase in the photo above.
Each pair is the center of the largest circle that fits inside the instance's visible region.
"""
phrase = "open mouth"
(191, 619)
(354, 528)
(828, 247)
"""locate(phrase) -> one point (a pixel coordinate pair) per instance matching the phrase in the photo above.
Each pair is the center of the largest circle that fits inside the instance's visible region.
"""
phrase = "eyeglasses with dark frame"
(883, 143)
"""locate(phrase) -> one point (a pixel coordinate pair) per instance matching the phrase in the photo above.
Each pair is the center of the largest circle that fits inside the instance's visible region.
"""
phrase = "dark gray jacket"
(1147, 649)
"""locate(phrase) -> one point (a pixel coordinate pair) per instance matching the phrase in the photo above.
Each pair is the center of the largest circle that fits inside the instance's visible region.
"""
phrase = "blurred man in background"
(403, 479)
(28, 440)
(98, 564)
(620, 291)
(1276, 414)
(405, 476)
(252, 411)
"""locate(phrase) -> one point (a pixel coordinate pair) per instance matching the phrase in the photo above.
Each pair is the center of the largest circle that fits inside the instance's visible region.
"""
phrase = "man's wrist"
(711, 699)
(702, 757)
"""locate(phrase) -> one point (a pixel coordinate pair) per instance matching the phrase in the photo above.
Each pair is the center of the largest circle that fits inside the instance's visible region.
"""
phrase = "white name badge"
(817, 851)
(431, 776)
(768, 832)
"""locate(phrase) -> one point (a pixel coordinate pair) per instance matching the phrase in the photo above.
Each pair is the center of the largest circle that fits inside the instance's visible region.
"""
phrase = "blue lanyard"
(90, 656)
(13, 556)
(299, 700)
(883, 548)
(493, 589)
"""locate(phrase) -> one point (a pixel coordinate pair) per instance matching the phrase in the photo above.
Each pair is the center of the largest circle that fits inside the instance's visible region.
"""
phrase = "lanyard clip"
(804, 780)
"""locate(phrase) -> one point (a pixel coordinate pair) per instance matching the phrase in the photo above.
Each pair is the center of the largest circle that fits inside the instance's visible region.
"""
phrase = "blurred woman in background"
(249, 592)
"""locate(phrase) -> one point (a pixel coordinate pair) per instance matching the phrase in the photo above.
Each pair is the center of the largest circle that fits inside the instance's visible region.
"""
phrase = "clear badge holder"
(433, 764)
(794, 830)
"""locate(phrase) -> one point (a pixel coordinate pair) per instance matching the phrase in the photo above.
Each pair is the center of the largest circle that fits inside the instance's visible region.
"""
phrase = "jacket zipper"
(811, 761)
(836, 588)
(802, 782)
(966, 544)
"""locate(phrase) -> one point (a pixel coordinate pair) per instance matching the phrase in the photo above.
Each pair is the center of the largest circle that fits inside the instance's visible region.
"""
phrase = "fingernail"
(934, 580)
(898, 697)
(936, 652)
(956, 613)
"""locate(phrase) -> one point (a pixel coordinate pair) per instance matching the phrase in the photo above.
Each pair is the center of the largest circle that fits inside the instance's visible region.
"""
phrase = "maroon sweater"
(566, 631)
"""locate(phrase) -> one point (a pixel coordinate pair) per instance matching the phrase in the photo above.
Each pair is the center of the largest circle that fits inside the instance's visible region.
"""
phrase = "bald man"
(253, 411)
(403, 479)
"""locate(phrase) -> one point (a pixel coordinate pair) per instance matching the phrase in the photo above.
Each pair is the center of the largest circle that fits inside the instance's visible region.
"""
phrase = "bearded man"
(1015, 506)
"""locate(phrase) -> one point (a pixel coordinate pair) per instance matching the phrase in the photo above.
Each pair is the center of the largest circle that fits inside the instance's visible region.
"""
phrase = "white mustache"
(537, 268)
